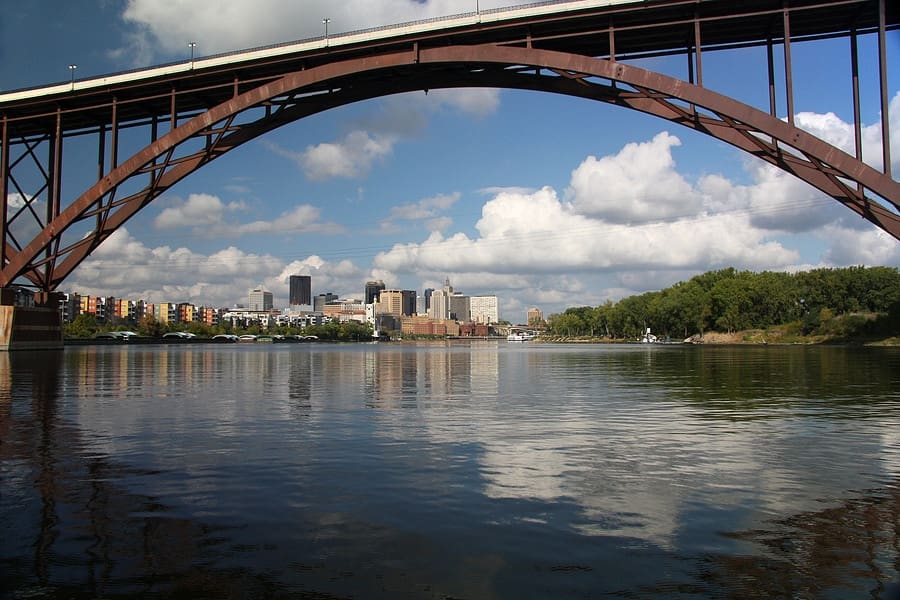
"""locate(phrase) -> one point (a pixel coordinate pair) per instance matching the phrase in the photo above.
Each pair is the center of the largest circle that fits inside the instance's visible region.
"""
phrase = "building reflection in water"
(423, 375)
(70, 529)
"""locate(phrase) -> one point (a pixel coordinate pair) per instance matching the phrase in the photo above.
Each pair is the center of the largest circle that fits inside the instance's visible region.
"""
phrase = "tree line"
(853, 300)
(87, 326)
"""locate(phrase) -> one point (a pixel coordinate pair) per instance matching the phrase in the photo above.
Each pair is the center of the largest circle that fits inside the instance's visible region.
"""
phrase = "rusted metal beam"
(788, 68)
(698, 48)
(770, 57)
(4, 189)
(883, 81)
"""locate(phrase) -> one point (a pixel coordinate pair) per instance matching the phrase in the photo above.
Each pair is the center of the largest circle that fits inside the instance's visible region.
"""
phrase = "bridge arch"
(46, 260)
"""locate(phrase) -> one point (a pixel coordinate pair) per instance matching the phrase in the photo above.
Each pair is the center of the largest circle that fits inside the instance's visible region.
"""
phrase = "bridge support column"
(34, 326)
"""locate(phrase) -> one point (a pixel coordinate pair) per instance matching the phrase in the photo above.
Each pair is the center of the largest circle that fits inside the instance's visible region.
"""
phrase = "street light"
(325, 22)
(72, 69)
(191, 45)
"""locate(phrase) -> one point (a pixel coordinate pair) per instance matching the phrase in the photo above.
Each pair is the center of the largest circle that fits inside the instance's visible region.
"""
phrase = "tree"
(148, 326)
(732, 301)
(82, 326)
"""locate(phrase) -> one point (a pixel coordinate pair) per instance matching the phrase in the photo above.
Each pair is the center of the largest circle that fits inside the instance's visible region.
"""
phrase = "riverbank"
(747, 337)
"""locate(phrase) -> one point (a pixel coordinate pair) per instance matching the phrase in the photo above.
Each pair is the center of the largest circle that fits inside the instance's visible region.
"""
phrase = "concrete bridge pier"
(30, 322)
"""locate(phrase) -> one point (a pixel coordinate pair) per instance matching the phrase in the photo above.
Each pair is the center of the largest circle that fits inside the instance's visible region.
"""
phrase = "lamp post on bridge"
(325, 22)
(72, 68)
(192, 45)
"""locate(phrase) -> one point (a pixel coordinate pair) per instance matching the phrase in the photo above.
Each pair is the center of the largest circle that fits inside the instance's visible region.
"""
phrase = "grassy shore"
(751, 336)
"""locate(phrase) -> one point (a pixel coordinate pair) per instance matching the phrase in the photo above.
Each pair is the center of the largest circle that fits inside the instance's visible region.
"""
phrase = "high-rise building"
(373, 289)
(484, 309)
(408, 306)
(300, 293)
(459, 308)
(321, 300)
(390, 302)
(166, 312)
(440, 305)
(427, 294)
(187, 313)
(260, 300)
(534, 316)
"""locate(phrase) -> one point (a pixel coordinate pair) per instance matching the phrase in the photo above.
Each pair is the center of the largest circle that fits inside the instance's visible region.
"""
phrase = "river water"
(457, 470)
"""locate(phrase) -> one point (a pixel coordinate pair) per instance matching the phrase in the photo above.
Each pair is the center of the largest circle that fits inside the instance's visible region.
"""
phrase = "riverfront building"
(345, 310)
(260, 300)
(390, 302)
(440, 305)
(373, 290)
(321, 300)
(459, 308)
(484, 309)
(438, 312)
(166, 312)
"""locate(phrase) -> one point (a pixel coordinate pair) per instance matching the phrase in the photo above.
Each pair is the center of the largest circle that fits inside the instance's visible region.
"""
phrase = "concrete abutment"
(29, 322)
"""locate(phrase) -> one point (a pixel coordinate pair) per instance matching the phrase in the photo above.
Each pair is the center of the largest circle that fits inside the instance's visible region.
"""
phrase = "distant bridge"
(150, 128)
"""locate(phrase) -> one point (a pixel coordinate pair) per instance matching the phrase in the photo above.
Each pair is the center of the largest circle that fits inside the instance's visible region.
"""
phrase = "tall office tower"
(459, 308)
(390, 302)
(408, 306)
(484, 309)
(260, 299)
(440, 305)
(428, 292)
(373, 289)
(300, 290)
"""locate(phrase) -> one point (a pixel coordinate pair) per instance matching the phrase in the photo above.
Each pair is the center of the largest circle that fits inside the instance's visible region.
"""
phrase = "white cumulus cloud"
(351, 157)
(638, 184)
(206, 215)
(199, 210)
(127, 268)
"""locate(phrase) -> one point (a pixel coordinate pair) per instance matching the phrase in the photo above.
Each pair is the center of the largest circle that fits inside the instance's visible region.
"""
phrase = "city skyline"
(544, 200)
(477, 309)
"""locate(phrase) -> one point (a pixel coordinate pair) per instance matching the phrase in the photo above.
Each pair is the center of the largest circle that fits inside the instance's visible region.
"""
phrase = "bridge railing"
(309, 40)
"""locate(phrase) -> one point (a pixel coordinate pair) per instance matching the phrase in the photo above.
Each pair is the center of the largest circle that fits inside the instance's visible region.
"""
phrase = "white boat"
(649, 338)
(520, 335)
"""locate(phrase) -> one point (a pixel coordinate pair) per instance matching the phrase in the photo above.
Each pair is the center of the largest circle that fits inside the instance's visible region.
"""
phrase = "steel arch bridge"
(193, 112)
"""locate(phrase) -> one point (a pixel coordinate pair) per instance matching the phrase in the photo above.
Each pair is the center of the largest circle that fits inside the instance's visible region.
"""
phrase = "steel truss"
(67, 234)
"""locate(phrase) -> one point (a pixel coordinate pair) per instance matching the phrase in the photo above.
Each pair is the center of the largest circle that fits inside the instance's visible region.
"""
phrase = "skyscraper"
(390, 302)
(373, 289)
(484, 309)
(260, 299)
(300, 290)
(459, 307)
(408, 302)
(440, 305)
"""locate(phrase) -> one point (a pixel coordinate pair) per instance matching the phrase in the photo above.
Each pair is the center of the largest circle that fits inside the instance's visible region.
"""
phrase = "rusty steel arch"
(46, 261)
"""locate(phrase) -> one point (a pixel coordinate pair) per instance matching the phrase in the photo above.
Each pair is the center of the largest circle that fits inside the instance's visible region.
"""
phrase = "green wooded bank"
(853, 301)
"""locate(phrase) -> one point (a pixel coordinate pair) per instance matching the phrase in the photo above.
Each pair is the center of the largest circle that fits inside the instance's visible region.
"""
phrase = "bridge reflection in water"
(478, 471)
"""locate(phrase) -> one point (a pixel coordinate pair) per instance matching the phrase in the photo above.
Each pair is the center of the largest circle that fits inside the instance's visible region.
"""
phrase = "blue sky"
(545, 201)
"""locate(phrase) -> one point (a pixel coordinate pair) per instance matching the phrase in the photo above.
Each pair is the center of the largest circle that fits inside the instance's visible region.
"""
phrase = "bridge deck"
(639, 29)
